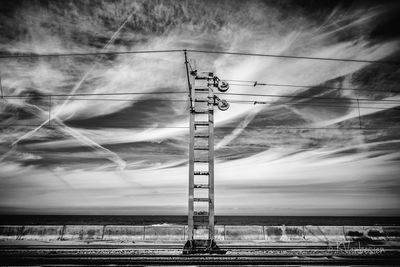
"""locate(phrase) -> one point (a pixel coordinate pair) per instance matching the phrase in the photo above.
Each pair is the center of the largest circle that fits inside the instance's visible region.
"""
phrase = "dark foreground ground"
(148, 255)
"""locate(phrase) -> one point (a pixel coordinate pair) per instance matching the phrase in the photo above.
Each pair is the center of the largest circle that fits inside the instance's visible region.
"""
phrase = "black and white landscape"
(108, 134)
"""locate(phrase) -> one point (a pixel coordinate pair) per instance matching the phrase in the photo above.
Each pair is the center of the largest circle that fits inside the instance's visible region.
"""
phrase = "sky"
(328, 148)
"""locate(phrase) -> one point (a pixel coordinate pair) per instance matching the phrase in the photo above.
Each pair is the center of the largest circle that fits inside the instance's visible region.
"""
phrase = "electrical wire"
(30, 55)
(98, 94)
(126, 100)
(112, 126)
(255, 83)
(329, 104)
(294, 57)
(110, 53)
(253, 102)
(226, 127)
(310, 97)
(217, 93)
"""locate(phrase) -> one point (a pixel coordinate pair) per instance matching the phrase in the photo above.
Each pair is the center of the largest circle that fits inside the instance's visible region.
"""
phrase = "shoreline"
(182, 219)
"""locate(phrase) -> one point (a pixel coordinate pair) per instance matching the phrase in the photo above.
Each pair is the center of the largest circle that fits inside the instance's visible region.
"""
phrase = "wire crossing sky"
(94, 106)
(196, 51)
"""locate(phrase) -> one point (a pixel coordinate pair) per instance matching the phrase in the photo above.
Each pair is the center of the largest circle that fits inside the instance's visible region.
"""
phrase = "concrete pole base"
(202, 247)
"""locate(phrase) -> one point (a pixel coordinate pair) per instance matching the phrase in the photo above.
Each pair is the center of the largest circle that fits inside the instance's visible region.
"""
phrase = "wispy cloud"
(145, 136)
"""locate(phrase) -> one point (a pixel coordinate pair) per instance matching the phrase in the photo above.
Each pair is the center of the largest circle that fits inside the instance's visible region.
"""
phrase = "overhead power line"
(256, 83)
(326, 102)
(5, 55)
(224, 127)
(98, 94)
(294, 57)
(181, 92)
(311, 97)
(255, 102)
(233, 101)
(252, 102)
(125, 100)
(127, 126)
(110, 53)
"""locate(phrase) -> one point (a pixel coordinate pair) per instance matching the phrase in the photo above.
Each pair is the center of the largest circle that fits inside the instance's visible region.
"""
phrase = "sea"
(171, 219)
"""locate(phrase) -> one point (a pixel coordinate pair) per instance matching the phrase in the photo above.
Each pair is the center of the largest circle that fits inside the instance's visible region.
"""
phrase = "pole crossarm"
(188, 80)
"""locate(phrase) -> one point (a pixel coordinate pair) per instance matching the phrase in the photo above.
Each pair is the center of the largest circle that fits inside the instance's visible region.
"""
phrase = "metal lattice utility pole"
(201, 161)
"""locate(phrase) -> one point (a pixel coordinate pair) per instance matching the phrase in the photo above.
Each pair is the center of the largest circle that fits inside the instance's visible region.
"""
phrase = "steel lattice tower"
(201, 161)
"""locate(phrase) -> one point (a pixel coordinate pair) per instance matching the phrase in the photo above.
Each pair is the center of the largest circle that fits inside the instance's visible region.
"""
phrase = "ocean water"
(222, 220)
